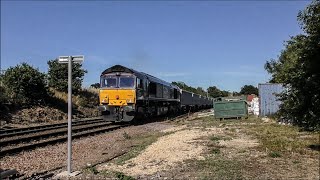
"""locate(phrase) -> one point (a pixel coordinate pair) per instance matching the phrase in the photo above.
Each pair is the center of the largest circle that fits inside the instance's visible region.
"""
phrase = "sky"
(201, 43)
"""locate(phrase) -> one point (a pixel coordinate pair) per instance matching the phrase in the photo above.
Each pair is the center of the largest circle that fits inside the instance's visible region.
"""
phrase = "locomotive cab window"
(139, 83)
(109, 81)
(126, 82)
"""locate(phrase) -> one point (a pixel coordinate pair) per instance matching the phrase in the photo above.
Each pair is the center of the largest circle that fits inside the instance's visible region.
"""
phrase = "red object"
(250, 97)
(117, 96)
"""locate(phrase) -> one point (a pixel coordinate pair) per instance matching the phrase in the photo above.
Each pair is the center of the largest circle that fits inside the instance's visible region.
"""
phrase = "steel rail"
(19, 133)
(49, 134)
(58, 139)
(48, 125)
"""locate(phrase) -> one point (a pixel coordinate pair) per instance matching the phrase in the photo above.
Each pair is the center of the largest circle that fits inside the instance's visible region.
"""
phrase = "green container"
(230, 109)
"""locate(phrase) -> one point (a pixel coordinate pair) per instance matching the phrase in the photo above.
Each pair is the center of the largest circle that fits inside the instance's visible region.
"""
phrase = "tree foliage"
(25, 85)
(184, 86)
(297, 68)
(58, 76)
(249, 89)
(95, 85)
(213, 91)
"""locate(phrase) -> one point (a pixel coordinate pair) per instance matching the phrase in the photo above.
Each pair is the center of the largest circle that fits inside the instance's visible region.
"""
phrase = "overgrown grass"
(141, 143)
(278, 141)
(92, 170)
(219, 138)
(283, 139)
(84, 103)
(85, 98)
(108, 174)
(274, 154)
(218, 167)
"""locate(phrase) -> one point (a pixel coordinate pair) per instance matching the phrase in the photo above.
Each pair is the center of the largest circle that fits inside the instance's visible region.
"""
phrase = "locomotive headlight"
(129, 100)
(105, 100)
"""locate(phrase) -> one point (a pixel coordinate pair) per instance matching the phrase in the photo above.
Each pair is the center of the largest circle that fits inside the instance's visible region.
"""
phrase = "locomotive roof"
(120, 68)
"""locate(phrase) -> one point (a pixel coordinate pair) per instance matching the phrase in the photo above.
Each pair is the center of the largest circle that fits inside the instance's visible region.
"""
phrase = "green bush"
(3, 97)
(58, 76)
(297, 68)
(25, 85)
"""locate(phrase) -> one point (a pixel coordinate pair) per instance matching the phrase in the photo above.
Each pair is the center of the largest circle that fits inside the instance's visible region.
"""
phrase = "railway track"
(15, 131)
(21, 139)
(17, 140)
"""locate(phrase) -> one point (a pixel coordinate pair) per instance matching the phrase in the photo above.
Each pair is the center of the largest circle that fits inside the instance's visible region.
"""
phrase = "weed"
(218, 167)
(242, 151)
(126, 135)
(110, 174)
(233, 130)
(274, 154)
(215, 151)
(296, 162)
(92, 169)
(284, 139)
(122, 176)
(219, 138)
(215, 138)
(141, 143)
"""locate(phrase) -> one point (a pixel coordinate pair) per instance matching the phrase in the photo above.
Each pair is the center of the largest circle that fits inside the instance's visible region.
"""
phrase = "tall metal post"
(69, 113)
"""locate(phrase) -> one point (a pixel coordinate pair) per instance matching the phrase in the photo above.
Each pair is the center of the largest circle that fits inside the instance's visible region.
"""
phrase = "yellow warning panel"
(117, 97)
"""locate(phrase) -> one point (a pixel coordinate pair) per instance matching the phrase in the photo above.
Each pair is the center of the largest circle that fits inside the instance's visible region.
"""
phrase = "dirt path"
(180, 145)
(165, 153)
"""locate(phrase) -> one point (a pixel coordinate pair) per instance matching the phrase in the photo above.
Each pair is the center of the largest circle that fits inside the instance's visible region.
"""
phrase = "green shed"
(230, 109)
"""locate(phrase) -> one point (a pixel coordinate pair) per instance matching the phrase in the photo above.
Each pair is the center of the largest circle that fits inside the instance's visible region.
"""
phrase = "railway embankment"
(54, 111)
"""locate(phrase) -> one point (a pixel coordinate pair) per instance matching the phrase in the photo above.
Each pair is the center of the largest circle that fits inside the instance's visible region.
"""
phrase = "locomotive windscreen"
(126, 81)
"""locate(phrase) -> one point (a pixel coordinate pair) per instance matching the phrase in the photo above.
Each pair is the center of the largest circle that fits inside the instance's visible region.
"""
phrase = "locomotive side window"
(175, 94)
(139, 83)
(152, 89)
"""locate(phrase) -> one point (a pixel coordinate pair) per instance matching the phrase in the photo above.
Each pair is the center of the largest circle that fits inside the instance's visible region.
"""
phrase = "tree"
(25, 85)
(95, 85)
(249, 89)
(213, 91)
(224, 93)
(297, 68)
(235, 93)
(58, 76)
(201, 91)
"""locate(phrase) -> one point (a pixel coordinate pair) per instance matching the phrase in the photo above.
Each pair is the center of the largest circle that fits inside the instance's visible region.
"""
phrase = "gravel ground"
(89, 150)
(164, 154)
